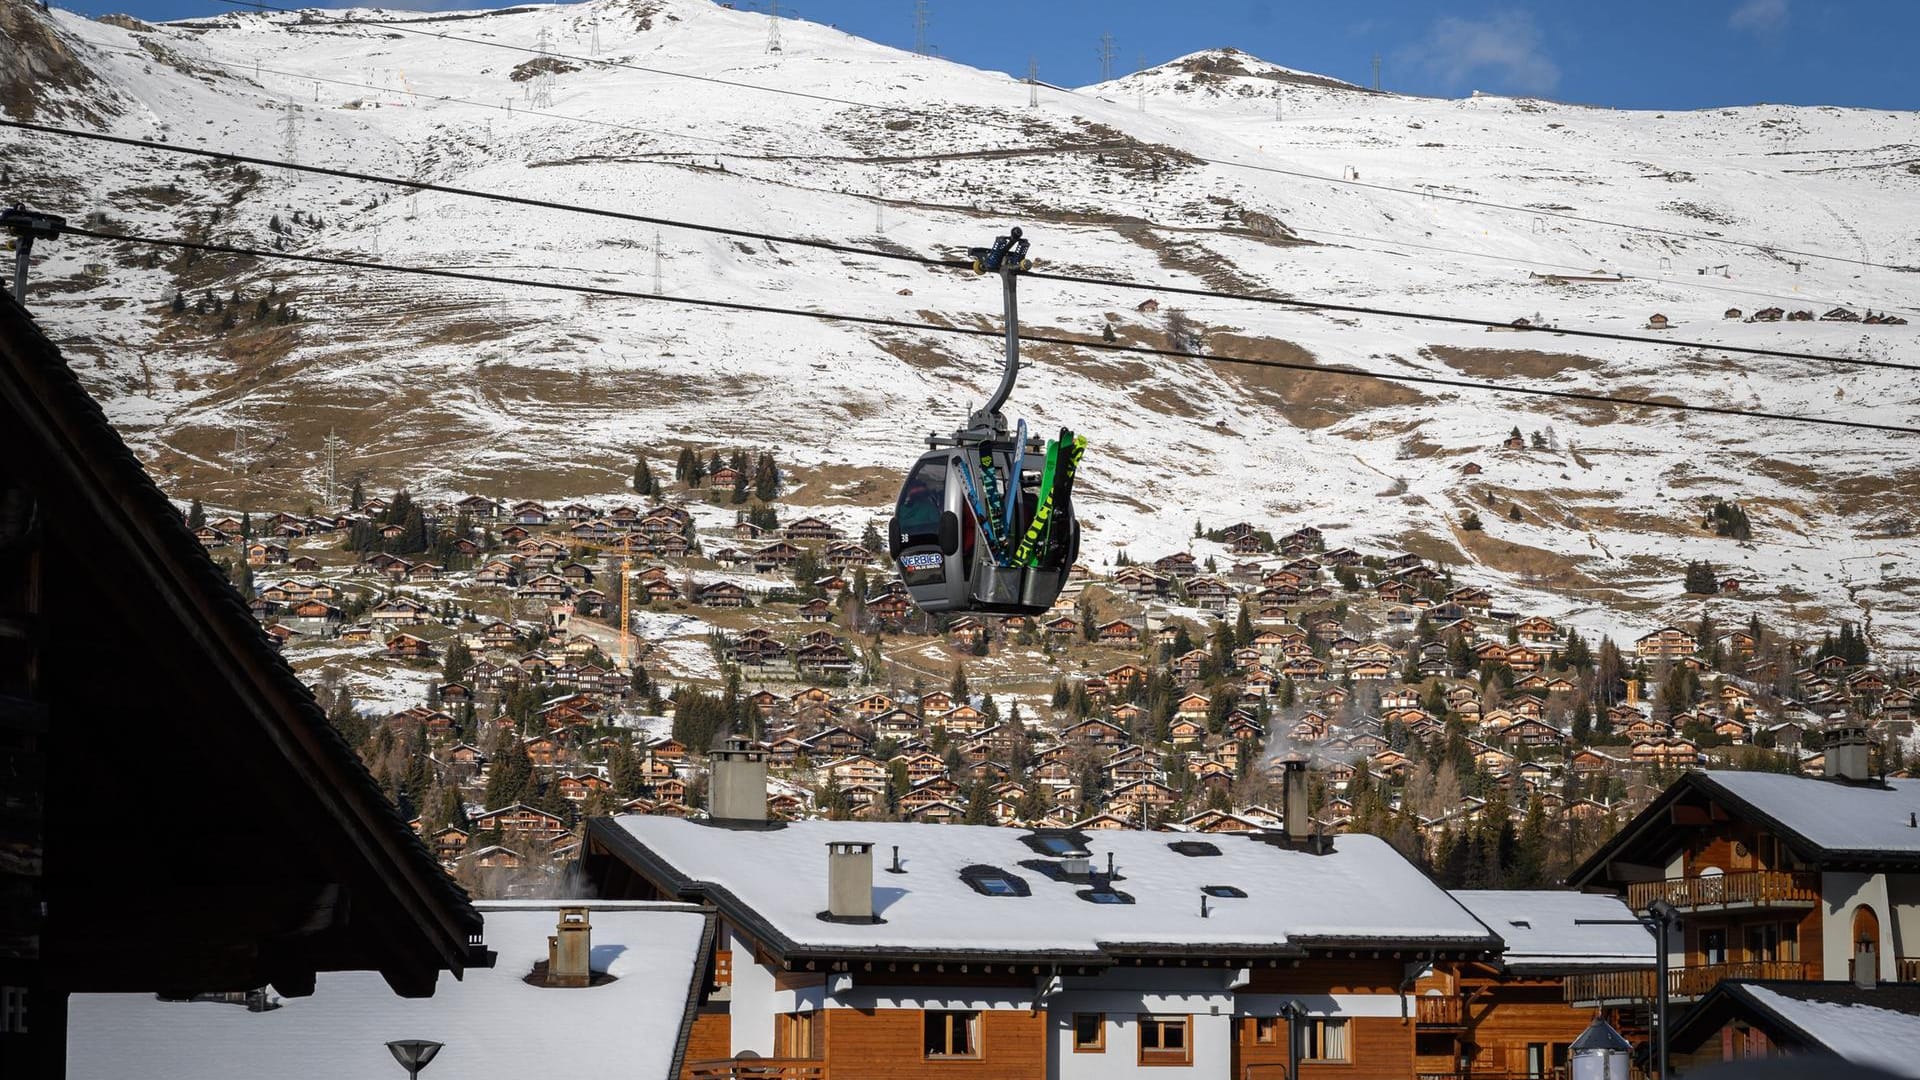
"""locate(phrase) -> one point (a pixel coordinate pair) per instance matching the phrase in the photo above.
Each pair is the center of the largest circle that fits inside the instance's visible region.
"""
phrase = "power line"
(208, 247)
(975, 121)
(897, 256)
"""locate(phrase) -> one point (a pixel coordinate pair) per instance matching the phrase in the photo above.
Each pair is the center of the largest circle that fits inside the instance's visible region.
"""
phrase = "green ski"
(1054, 548)
(1028, 552)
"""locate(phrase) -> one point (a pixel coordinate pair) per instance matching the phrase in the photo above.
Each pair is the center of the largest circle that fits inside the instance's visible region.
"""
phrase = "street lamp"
(413, 1054)
(1660, 919)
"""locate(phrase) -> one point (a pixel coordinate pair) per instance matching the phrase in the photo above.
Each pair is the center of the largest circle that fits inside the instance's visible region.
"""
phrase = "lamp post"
(1661, 918)
(413, 1054)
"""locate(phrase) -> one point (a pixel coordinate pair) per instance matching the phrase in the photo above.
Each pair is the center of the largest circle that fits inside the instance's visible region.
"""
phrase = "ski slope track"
(452, 388)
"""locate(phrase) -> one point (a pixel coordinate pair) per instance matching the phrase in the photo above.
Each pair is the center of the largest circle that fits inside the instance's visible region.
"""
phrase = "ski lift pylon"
(984, 520)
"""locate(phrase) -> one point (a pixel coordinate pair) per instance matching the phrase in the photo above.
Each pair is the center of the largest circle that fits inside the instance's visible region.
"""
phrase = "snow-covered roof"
(1825, 820)
(1551, 929)
(1861, 1032)
(1362, 892)
(492, 1023)
(1832, 816)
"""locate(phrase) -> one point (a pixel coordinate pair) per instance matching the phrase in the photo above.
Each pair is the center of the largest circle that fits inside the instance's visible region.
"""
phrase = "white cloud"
(1759, 16)
(1507, 47)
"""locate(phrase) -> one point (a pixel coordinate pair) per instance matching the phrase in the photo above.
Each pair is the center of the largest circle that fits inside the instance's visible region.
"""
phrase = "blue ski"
(980, 511)
(1013, 478)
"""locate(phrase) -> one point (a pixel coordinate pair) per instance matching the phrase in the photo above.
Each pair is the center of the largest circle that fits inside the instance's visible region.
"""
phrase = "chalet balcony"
(1909, 969)
(1683, 983)
(757, 1068)
(1436, 1012)
(1740, 889)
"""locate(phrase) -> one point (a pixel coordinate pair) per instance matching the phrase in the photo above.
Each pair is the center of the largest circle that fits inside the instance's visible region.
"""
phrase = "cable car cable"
(898, 256)
(1039, 338)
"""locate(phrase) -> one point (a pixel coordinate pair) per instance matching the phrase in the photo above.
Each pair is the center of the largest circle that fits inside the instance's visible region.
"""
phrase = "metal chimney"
(1297, 818)
(850, 881)
(570, 949)
(737, 782)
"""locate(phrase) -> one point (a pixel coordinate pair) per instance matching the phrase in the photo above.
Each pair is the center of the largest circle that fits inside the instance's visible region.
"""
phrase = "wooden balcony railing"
(1743, 888)
(753, 1068)
(1682, 982)
(1909, 969)
(1433, 1010)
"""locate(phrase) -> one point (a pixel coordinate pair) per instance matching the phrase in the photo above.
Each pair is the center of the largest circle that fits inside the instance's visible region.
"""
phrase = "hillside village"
(471, 439)
(1494, 746)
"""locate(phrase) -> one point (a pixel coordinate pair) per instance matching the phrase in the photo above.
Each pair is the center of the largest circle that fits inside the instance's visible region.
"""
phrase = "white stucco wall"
(1904, 892)
(1125, 994)
(752, 1009)
(1842, 893)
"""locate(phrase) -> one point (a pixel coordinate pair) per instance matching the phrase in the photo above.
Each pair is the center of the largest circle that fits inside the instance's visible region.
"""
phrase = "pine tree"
(246, 524)
(196, 515)
(458, 661)
(1243, 628)
(642, 476)
(179, 304)
(766, 479)
(958, 687)
(1471, 523)
(357, 497)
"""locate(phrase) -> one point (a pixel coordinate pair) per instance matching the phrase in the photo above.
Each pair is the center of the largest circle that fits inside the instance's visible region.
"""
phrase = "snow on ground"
(682, 640)
(455, 387)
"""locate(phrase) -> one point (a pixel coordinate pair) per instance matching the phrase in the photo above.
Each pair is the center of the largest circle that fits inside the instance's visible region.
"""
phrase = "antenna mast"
(626, 600)
(290, 131)
(542, 90)
(773, 26)
(921, 16)
(1107, 52)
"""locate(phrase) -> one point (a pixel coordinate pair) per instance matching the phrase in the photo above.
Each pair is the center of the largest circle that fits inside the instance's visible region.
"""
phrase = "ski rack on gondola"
(976, 527)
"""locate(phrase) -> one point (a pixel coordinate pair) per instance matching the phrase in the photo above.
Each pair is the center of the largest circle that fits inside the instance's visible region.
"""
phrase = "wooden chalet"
(1508, 1016)
(1774, 876)
(945, 965)
(96, 553)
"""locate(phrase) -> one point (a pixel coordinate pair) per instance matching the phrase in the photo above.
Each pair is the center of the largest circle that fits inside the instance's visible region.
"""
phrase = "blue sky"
(1631, 53)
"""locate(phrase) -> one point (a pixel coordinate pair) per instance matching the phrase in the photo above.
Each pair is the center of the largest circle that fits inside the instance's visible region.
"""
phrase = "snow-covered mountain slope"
(1197, 173)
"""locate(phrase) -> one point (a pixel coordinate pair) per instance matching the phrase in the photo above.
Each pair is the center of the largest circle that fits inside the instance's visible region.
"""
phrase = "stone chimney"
(850, 881)
(737, 783)
(1296, 816)
(570, 949)
(1847, 753)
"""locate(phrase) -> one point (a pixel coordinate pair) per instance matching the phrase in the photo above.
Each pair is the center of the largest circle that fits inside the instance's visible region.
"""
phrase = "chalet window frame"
(1099, 1043)
(1266, 1031)
(968, 1021)
(1158, 1025)
(1313, 1040)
